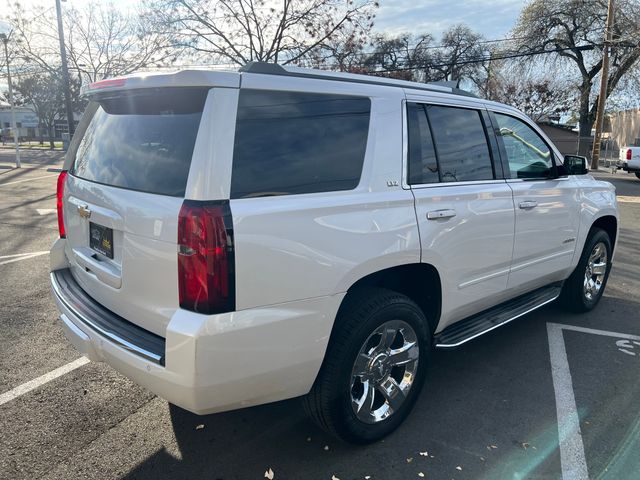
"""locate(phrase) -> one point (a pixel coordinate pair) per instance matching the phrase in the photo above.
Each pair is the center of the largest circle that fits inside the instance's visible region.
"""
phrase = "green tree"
(43, 93)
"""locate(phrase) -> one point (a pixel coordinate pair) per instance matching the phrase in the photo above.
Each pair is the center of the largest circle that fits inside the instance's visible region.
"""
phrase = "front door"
(546, 207)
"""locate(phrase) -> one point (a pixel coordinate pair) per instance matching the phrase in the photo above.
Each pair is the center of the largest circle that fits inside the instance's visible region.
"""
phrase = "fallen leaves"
(410, 459)
(421, 475)
(269, 474)
(200, 427)
(333, 477)
(424, 454)
(459, 468)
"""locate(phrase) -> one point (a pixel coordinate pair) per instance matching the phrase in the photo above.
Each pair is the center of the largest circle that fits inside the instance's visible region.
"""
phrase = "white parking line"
(572, 456)
(37, 382)
(27, 180)
(21, 256)
(628, 199)
(46, 211)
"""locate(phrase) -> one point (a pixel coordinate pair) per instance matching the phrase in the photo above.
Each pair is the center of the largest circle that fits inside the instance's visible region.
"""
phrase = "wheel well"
(610, 225)
(418, 281)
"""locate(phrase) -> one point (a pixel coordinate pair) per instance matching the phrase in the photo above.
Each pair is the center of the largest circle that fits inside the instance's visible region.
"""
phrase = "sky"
(493, 19)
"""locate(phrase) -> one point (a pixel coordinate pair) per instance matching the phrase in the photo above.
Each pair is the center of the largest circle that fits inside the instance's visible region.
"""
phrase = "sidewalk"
(30, 158)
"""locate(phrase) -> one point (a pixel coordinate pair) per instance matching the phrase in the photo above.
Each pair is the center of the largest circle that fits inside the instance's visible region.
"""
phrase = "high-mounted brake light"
(111, 82)
(628, 154)
(59, 202)
(206, 278)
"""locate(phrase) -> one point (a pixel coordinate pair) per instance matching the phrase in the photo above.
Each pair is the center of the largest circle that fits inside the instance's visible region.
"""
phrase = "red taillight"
(628, 154)
(206, 281)
(59, 194)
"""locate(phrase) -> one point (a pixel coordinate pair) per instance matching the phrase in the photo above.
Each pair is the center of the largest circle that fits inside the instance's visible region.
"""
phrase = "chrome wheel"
(384, 371)
(595, 271)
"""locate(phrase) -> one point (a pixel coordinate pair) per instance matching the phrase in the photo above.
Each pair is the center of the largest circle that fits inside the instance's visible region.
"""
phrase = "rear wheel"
(638, 174)
(374, 367)
(584, 288)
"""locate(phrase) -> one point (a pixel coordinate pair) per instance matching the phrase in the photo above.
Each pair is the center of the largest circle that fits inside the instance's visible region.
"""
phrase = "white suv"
(232, 239)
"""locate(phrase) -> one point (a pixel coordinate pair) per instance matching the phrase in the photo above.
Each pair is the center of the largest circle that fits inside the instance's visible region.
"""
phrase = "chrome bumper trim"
(104, 322)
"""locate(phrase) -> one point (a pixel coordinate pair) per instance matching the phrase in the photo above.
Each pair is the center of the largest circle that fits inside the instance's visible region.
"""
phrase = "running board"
(469, 328)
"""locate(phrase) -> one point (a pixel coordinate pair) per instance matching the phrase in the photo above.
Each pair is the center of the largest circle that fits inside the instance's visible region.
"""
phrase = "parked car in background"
(232, 239)
(630, 160)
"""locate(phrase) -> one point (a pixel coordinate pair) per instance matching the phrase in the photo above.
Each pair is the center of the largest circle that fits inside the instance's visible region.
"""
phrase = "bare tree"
(541, 99)
(460, 55)
(239, 31)
(104, 42)
(573, 31)
(101, 41)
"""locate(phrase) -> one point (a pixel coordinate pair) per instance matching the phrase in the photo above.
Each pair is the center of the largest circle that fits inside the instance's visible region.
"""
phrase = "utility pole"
(65, 72)
(5, 40)
(595, 155)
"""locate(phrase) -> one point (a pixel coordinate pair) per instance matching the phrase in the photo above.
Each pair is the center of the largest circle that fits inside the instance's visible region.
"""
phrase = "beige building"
(625, 128)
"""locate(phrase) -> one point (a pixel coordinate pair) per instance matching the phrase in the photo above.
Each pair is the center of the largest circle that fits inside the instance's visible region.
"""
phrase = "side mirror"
(575, 165)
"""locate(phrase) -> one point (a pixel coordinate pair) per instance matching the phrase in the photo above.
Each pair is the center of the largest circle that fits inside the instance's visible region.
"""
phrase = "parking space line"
(37, 382)
(572, 456)
(21, 256)
(628, 199)
(26, 180)
(46, 211)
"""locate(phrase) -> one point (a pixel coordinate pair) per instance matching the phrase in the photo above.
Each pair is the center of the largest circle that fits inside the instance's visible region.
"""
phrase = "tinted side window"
(461, 143)
(291, 143)
(423, 167)
(527, 154)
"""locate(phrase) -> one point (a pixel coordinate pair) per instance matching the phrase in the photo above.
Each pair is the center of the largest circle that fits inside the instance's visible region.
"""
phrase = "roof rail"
(275, 69)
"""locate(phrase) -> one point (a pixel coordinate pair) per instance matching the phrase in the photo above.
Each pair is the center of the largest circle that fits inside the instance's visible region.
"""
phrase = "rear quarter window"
(293, 143)
(142, 140)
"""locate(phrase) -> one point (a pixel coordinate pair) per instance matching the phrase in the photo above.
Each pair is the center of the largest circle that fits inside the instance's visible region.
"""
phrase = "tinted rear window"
(142, 140)
(291, 143)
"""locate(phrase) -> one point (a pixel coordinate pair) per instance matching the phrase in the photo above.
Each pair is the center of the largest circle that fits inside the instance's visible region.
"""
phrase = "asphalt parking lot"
(506, 405)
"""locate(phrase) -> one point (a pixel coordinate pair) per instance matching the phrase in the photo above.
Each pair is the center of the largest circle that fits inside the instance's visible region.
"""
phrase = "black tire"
(573, 296)
(638, 174)
(329, 402)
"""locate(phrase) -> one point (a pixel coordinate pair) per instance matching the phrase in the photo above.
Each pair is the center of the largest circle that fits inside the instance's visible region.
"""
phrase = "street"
(490, 409)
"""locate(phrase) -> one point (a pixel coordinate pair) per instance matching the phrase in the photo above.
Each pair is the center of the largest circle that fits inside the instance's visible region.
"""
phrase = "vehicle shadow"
(488, 407)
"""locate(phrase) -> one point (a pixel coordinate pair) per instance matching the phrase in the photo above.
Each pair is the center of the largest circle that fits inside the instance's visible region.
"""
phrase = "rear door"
(546, 206)
(122, 198)
(464, 208)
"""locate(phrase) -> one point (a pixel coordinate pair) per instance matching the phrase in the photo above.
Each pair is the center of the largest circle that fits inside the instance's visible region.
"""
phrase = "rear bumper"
(206, 363)
(633, 166)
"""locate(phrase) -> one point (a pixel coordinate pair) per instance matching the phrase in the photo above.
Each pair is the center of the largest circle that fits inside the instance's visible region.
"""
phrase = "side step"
(483, 322)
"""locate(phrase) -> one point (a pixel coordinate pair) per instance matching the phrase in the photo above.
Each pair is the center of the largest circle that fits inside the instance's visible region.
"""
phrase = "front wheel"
(584, 288)
(374, 367)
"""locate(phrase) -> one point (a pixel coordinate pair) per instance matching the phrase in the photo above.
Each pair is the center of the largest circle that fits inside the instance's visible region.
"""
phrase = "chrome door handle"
(527, 205)
(437, 214)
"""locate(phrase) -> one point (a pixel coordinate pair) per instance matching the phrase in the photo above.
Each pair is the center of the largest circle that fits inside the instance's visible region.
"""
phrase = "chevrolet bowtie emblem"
(83, 211)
